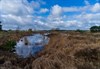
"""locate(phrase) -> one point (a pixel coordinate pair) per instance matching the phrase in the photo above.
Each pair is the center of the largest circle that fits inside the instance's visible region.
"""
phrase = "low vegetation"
(8, 46)
(65, 50)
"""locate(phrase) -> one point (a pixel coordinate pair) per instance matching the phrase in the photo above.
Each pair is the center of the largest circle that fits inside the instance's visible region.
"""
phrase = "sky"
(49, 14)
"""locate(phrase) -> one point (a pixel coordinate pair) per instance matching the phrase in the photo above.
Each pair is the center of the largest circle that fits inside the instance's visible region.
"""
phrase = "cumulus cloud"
(15, 13)
(56, 10)
(84, 20)
(16, 7)
(22, 13)
(96, 7)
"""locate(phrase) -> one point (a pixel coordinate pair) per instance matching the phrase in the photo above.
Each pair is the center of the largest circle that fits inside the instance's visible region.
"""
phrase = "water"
(30, 45)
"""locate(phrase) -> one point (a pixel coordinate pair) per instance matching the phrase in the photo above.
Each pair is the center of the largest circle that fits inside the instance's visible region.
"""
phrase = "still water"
(30, 45)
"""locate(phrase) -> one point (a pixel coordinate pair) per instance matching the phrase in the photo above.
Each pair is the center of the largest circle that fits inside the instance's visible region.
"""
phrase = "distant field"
(65, 50)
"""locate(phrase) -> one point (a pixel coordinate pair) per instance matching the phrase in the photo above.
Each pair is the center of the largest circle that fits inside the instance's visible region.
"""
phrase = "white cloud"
(96, 7)
(70, 9)
(18, 13)
(56, 10)
(88, 19)
(83, 20)
(22, 13)
(44, 10)
(16, 7)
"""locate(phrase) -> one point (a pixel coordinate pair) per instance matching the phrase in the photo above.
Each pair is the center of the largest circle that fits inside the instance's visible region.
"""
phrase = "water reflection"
(30, 45)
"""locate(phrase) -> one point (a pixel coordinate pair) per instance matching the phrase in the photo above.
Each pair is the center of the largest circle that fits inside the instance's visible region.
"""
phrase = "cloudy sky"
(48, 14)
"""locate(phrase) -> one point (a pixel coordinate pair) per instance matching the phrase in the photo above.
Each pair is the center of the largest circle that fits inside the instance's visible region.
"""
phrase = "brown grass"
(69, 50)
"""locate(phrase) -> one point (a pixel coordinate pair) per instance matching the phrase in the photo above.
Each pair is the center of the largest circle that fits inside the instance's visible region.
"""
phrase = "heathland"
(65, 50)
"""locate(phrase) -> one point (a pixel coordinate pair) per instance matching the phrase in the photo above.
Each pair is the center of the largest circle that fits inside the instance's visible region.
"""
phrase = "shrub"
(30, 30)
(8, 46)
(95, 29)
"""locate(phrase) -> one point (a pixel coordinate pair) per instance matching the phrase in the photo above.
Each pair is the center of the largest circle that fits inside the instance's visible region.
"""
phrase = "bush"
(30, 30)
(95, 29)
(8, 46)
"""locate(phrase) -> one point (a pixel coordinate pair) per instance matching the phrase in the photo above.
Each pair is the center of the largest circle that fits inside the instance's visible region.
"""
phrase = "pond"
(30, 45)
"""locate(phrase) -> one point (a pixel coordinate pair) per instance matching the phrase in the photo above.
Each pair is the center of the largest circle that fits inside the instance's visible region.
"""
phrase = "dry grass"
(69, 50)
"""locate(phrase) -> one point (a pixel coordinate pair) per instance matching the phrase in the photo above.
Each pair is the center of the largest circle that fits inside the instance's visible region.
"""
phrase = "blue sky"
(66, 2)
(48, 14)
